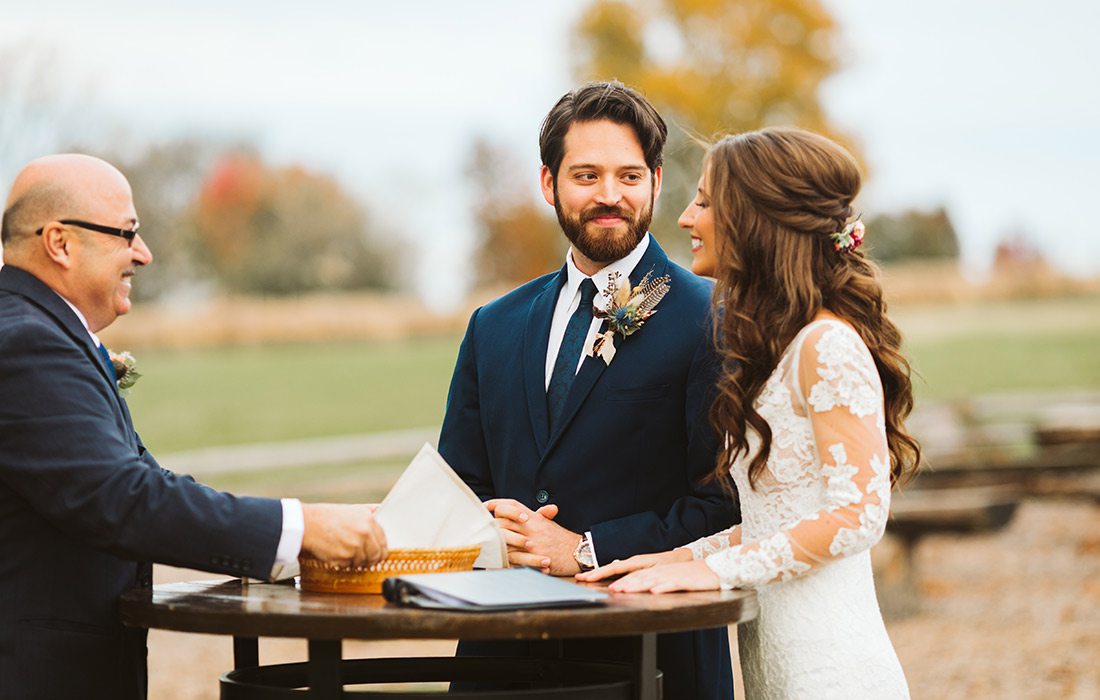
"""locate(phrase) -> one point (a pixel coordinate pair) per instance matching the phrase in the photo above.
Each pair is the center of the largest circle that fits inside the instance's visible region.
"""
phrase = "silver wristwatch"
(583, 554)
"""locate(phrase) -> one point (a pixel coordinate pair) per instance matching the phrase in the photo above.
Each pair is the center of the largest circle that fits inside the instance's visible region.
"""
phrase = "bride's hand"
(688, 576)
(634, 563)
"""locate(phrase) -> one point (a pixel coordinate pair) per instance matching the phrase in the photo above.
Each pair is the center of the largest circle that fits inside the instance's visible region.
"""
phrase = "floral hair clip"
(850, 237)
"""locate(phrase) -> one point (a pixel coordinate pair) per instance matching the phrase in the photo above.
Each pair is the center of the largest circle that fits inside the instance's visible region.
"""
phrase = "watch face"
(583, 554)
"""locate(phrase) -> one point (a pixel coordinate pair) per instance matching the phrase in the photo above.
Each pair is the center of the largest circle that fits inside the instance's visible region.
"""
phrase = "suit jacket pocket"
(638, 393)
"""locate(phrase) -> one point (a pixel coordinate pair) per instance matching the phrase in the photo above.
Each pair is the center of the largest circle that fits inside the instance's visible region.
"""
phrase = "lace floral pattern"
(768, 560)
(705, 546)
(826, 486)
(845, 380)
(821, 502)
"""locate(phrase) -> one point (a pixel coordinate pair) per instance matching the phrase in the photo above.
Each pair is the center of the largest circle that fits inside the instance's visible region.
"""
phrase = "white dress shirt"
(290, 541)
(570, 298)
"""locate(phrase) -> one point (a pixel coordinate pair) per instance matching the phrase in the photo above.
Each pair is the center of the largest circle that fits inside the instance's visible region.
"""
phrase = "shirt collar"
(624, 266)
(84, 321)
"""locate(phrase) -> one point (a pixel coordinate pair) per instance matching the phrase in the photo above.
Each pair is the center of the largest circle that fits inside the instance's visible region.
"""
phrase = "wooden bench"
(915, 514)
(1018, 442)
(951, 511)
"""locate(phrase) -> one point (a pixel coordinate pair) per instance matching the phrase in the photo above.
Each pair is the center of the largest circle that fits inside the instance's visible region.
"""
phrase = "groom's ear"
(656, 183)
(546, 180)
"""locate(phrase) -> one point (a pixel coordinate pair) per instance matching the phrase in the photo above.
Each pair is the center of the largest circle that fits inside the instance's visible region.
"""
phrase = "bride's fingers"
(634, 583)
(615, 568)
(667, 587)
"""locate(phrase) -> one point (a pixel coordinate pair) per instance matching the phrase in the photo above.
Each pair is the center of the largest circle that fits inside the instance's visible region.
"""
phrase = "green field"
(210, 397)
(199, 398)
(225, 396)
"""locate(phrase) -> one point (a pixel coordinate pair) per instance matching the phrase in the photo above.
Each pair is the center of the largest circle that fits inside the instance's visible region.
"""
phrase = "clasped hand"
(533, 538)
(664, 572)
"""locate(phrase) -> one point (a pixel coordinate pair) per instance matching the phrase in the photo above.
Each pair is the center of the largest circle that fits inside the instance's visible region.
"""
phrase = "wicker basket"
(320, 577)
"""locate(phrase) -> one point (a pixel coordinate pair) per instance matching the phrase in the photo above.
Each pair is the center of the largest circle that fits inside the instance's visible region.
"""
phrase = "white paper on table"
(431, 507)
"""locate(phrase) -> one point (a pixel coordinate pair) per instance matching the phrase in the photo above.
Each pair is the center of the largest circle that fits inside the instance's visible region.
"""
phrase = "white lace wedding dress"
(808, 527)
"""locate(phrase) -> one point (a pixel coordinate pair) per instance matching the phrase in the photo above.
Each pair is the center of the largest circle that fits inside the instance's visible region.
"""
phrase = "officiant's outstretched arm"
(84, 506)
(589, 435)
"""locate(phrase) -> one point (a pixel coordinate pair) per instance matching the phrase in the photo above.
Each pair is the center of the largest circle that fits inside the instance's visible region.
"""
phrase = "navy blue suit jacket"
(634, 444)
(84, 508)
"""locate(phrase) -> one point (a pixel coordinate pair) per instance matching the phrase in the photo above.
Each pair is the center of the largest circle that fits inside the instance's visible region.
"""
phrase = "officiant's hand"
(342, 534)
(635, 563)
(533, 538)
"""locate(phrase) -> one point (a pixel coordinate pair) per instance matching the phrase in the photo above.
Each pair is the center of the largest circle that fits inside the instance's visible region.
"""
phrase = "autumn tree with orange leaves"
(285, 230)
(518, 234)
(712, 67)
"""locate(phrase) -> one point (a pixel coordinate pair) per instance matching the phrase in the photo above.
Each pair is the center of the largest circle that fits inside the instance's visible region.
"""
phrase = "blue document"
(489, 590)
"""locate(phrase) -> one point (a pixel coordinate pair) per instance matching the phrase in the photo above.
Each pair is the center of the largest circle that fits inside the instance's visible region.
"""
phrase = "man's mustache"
(601, 211)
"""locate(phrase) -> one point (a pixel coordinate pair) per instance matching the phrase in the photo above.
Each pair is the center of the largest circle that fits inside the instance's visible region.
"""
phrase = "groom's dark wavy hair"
(609, 100)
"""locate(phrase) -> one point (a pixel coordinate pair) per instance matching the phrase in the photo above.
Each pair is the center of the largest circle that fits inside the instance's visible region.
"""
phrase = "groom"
(585, 460)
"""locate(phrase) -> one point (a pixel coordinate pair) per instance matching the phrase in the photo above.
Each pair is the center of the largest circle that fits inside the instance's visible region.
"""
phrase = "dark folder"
(489, 590)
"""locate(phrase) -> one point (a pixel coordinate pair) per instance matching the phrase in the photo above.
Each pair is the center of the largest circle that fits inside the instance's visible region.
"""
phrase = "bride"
(811, 398)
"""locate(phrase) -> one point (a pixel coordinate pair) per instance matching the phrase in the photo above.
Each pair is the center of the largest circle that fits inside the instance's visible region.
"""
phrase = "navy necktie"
(107, 361)
(565, 366)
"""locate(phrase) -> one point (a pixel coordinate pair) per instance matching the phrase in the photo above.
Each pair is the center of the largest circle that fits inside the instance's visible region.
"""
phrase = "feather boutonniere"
(125, 366)
(627, 310)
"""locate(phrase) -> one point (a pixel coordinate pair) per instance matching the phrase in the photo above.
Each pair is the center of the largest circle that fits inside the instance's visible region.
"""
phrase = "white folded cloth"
(430, 507)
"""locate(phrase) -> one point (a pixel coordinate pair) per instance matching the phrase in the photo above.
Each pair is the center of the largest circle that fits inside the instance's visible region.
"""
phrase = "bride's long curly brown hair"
(776, 194)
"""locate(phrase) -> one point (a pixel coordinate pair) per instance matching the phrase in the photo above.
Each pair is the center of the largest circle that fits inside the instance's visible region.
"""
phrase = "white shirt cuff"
(290, 542)
(592, 548)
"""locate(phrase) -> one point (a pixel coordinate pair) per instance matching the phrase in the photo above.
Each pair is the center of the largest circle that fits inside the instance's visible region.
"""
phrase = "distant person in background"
(812, 397)
(84, 507)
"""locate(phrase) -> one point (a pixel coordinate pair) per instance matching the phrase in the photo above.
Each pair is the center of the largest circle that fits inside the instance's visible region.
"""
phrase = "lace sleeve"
(845, 406)
(705, 546)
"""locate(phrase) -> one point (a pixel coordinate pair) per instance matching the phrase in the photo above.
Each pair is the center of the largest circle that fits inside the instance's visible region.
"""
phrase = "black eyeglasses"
(127, 233)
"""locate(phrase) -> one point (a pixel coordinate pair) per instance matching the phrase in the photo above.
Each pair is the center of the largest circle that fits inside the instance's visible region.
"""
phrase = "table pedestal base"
(547, 679)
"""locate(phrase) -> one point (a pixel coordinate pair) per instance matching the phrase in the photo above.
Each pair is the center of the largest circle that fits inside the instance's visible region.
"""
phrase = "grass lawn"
(960, 351)
(224, 396)
(360, 482)
(208, 397)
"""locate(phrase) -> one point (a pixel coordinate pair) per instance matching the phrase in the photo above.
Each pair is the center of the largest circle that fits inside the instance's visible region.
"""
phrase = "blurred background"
(330, 188)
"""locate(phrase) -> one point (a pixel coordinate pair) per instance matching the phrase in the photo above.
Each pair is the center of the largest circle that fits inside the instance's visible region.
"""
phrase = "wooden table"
(250, 611)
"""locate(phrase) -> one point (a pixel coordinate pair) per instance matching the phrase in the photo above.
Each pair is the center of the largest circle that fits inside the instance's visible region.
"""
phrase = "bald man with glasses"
(84, 508)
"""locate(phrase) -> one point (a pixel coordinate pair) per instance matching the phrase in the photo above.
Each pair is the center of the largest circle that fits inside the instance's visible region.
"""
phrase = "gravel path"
(1010, 615)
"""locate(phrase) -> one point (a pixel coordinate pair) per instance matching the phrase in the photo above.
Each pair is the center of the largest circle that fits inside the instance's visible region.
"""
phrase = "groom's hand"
(533, 538)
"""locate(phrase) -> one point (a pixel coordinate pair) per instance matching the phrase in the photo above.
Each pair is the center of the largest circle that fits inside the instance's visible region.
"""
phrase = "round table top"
(282, 610)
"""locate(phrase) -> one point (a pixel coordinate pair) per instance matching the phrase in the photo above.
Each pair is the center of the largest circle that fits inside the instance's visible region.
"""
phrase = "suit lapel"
(30, 287)
(593, 367)
(535, 337)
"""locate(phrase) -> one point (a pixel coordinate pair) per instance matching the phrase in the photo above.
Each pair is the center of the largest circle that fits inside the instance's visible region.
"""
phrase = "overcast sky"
(988, 107)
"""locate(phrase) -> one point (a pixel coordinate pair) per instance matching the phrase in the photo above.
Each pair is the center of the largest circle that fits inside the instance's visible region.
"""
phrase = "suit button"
(542, 496)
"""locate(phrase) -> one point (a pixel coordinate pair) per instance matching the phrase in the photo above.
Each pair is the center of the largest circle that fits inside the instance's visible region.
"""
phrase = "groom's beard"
(606, 245)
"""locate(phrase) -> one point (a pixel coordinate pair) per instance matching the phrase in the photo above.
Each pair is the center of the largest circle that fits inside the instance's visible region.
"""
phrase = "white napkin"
(431, 507)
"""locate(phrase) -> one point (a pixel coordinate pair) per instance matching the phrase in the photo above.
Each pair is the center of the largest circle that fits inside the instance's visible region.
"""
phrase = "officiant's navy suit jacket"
(84, 507)
(633, 446)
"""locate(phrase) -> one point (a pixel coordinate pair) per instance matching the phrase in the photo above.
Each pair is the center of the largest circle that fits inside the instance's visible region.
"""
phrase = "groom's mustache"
(601, 211)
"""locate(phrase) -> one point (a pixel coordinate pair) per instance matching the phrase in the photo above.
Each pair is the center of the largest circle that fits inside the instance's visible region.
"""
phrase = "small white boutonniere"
(627, 310)
(125, 369)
